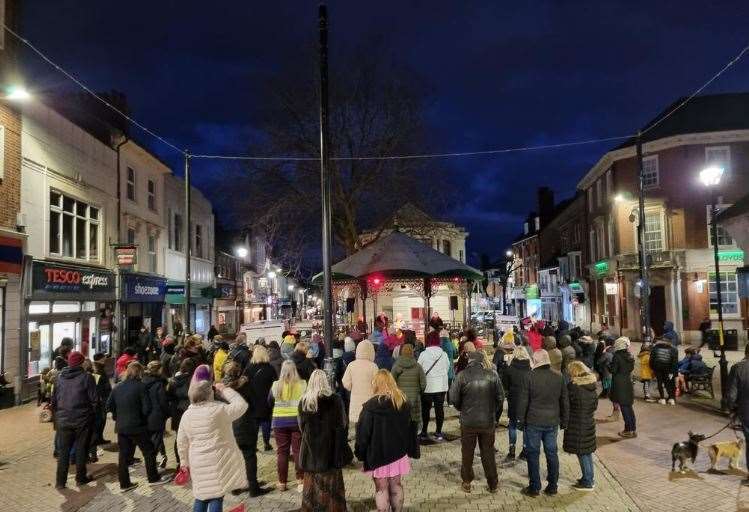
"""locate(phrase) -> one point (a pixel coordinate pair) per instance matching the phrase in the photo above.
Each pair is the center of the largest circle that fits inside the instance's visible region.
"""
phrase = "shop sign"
(175, 289)
(225, 291)
(532, 291)
(611, 288)
(576, 287)
(602, 267)
(60, 279)
(144, 289)
(127, 255)
(731, 256)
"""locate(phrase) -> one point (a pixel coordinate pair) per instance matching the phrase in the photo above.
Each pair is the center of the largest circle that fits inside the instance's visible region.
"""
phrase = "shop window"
(130, 184)
(728, 293)
(61, 306)
(74, 228)
(39, 308)
(151, 195)
(650, 175)
(40, 348)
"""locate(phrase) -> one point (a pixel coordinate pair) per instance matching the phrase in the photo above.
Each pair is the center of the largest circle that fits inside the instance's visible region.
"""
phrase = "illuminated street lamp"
(710, 177)
(508, 253)
(18, 93)
(291, 287)
(241, 252)
(271, 275)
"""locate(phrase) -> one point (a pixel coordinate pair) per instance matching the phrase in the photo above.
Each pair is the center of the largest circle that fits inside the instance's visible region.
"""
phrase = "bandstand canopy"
(399, 256)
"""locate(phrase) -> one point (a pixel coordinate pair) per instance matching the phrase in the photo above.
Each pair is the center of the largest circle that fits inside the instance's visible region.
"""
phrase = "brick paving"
(631, 475)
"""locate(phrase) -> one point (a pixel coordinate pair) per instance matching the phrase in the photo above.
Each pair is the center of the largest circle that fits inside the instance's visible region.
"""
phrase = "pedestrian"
(436, 366)
(357, 378)
(568, 351)
(288, 342)
(274, 356)
(588, 350)
(127, 356)
(383, 357)
(212, 333)
(622, 392)
(261, 376)
(646, 372)
(155, 384)
(206, 444)
(705, 332)
(239, 351)
(74, 401)
(535, 335)
(385, 440)
(324, 446)
(143, 343)
(103, 389)
(130, 407)
(378, 335)
(303, 361)
(219, 357)
(286, 393)
(580, 434)
(603, 363)
(670, 334)
(737, 397)
(664, 360)
(477, 393)
(168, 357)
(410, 377)
(467, 348)
(63, 351)
(543, 408)
(555, 355)
(177, 390)
(245, 428)
(515, 382)
(448, 347)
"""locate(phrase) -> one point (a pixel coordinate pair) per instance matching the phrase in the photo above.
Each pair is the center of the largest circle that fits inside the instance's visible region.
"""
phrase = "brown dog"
(729, 449)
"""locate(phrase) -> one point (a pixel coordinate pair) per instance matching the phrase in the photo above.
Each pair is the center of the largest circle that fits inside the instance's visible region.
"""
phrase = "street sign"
(127, 255)
(505, 322)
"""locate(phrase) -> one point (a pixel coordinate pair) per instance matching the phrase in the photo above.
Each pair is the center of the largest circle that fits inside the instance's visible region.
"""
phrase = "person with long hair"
(261, 375)
(580, 434)
(622, 390)
(324, 447)
(436, 365)
(286, 394)
(515, 380)
(206, 444)
(384, 440)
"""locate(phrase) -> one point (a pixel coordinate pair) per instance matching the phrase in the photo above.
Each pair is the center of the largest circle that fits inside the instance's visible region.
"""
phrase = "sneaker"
(466, 486)
(551, 491)
(423, 437)
(163, 479)
(671, 401)
(582, 487)
(650, 400)
(493, 490)
(627, 434)
(531, 493)
(129, 487)
(662, 401)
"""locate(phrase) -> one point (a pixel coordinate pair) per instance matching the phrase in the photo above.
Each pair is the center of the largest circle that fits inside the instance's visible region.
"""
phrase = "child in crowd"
(646, 373)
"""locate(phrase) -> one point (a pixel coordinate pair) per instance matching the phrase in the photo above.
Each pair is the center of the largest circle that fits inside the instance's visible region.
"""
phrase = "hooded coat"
(324, 436)
(580, 434)
(621, 367)
(358, 378)
(436, 367)
(206, 445)
(74, 398)
(670, 334)
(515, 380)
(383, 434)
(555, 355)
(304, 365)
(568, 351)
(261, 377)
(409, 376)
(276, 359)
(156, 391)
(383, 357)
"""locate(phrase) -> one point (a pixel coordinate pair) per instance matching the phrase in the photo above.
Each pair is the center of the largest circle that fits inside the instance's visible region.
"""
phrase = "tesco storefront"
(66, 301)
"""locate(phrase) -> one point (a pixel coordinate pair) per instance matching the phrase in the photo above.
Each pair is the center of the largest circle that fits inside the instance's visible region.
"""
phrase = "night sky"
(503, 74)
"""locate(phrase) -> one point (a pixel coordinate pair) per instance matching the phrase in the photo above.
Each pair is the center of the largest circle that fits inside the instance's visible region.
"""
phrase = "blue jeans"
(586, 466)
(512, 432)
(213, 505)
(536, 435)
(628, 414)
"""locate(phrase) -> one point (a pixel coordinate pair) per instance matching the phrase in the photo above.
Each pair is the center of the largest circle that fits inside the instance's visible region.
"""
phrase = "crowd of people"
(383, 391)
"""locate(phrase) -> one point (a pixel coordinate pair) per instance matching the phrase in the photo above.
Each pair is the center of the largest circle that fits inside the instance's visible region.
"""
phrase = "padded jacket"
(477, 393)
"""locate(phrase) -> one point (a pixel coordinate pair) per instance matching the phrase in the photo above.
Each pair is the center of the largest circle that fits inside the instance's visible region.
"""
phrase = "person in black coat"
(261, 376)
(103, 389)
(156, 388)
(274, 356)
(514, 380)
(580, 434)
(74, 401)
(176, 392)
(324, 449)
(130, 408)
(664, 360)
(245, 428)
(304, 365)
(622, 390)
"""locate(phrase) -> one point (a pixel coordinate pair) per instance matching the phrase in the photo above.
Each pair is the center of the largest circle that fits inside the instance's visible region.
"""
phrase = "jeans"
(427, 399)
(586, 466)
(126, 444)
(288, 438)
(485, 438)
(512, 432)
(212, 505)
(548, 436)
(628, 413)
(667, 379)
(67, 438)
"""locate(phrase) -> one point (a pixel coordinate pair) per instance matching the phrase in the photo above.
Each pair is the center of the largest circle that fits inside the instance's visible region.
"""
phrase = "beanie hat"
(621, 343)
(540, 358)
(201, 387)
(75, 358)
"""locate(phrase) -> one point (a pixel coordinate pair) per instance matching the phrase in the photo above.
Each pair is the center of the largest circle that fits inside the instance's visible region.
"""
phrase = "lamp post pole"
(723, 363)
(644, 280)
(188, 245)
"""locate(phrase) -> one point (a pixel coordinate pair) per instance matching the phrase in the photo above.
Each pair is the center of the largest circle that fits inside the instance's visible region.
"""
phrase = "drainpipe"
(117, 342)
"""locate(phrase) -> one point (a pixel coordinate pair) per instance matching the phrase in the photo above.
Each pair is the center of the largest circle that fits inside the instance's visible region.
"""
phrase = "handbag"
(182, 476)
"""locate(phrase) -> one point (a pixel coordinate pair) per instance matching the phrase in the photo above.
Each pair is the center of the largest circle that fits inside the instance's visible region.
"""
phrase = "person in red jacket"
(125, 359)
(535, 335)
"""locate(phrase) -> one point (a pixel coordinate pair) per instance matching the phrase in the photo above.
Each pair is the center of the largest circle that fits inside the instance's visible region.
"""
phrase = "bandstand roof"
(399, 256)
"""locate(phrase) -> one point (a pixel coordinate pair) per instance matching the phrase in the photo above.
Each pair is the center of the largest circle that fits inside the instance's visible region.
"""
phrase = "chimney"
(545, 204)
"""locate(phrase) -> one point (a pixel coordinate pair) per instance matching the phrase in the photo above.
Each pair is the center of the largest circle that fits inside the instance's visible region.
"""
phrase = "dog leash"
(729, 424)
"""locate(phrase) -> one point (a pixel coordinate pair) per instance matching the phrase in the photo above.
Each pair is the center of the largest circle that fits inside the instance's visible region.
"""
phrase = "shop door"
(40, 348)
(657, 309)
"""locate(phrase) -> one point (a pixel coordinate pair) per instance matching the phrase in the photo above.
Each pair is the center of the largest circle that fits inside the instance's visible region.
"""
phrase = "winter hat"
(348, 344)
(621, 343)
(75, 358)
(550, 343)
(201, 387)
(540, 358)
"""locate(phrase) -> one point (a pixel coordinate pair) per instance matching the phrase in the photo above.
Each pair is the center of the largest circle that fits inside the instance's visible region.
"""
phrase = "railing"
(656, 259)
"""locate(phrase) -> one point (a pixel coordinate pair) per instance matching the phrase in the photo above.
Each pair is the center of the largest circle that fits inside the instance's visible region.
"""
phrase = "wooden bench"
(702, 382)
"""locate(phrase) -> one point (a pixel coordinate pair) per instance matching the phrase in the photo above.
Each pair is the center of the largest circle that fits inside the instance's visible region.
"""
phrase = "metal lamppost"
(644, 274)
(710, 177)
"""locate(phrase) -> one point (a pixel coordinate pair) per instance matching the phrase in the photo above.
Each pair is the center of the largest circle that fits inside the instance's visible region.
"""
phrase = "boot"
(510, 454)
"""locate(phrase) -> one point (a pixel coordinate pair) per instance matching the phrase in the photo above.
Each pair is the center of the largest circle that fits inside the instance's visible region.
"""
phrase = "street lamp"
(508, 253)
(291, 287)
(271, 275)
(241, 252)
(18, 93)
(710, 177)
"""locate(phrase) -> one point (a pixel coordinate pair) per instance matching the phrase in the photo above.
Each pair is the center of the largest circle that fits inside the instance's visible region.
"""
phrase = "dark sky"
(503, 74)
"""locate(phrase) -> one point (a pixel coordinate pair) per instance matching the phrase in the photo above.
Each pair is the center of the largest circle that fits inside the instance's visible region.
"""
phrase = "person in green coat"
(410, 377)
(452, 353)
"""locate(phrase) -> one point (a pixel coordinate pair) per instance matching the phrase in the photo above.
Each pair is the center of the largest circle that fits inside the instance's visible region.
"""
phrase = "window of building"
(130, 184)
(169, 228)
(610, 236)
(600, 240)
(151, 195)
(723, 237)
(198, 240)
(177, 234)
(653, 235)
(719, 156)
(152, 253)
(447, 247)
(538, 223)
(728, 293)
(131, 236)
(650, 177)
(73, 228)
(460, 256)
